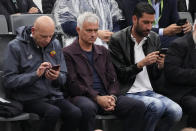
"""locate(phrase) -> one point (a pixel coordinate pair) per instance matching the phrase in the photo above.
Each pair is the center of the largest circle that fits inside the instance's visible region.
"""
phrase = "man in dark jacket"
(30, 76)
(180, 72)
(92, 80)
(135, 55)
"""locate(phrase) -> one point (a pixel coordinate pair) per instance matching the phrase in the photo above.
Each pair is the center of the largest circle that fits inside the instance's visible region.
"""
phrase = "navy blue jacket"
(169, 14)
(22, 60)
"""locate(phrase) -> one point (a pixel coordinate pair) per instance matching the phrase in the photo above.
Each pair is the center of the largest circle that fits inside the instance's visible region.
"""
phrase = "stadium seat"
(186, 15)
(4, 25)
(24, 20)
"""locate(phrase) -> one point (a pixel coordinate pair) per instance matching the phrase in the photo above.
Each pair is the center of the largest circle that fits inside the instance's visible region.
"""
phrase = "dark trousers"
(189, 106)
(128, 109)
(50, 111)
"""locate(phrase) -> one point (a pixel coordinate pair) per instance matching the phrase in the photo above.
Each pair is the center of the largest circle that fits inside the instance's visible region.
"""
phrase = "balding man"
(35, 71)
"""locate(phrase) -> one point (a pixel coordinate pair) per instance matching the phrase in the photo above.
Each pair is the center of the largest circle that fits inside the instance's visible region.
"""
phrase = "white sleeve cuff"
(161, 31)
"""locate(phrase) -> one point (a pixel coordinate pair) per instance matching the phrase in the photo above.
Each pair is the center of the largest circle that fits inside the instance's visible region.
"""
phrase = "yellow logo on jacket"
(52, 53)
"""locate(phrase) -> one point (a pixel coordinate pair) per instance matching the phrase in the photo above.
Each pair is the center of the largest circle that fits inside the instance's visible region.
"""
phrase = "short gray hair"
(88, 17)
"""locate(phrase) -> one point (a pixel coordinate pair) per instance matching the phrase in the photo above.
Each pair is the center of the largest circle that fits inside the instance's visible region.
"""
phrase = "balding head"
(43, 30)
(44, 22)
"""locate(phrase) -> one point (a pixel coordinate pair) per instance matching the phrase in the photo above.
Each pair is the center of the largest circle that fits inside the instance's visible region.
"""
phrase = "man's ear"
(32, 30)
(134, 19)
(78, 29)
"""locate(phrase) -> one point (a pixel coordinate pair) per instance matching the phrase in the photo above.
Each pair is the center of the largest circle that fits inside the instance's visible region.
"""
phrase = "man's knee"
(127, 105)
(52, 113)
(175, 112)
(75, 113)
(156, 106)
(86, 105)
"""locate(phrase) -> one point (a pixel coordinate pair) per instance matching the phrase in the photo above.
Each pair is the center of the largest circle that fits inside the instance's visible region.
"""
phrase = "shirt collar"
(141, 42)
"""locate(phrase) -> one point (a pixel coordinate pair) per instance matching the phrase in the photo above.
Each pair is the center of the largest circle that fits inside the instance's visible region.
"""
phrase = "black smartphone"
(55, 67)
(181, 22)
(163, 51)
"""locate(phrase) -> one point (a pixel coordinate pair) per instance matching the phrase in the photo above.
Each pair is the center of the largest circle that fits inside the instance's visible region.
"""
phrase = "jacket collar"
(78, 50)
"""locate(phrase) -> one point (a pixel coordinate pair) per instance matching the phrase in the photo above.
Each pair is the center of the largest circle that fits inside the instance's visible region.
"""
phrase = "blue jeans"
(158, 107)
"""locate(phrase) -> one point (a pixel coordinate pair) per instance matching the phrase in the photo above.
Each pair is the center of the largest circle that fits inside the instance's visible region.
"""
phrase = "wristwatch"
(114, 97)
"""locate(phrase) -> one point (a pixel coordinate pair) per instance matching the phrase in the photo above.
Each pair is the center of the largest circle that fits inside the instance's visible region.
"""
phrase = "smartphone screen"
(55, 67)
(163, 51)
(181, 22)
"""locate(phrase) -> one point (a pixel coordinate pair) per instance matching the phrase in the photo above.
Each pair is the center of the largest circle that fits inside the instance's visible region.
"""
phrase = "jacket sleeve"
(13, 76)
(125, 70)
(31, 4)
(113, 88)
(75, 83)
(170, 15)
(177, 66)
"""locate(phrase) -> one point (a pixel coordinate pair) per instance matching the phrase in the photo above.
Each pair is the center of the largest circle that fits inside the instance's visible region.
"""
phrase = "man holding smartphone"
(139, 66)
(31, 77)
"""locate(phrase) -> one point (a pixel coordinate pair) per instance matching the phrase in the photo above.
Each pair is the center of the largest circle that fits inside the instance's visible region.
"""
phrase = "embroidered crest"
(52, 53)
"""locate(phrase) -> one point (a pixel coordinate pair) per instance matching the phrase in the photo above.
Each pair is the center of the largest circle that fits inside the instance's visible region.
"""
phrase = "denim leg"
(89, 110)
(155, 109)
(172, 114)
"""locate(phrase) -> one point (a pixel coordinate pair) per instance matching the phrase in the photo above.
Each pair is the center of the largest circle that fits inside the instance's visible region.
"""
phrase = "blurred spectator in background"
(166, 18)
(165, 21)
(182, 5)
(127, 7)
(180, 74)
(188, 129)
(187, 5)
(47, 6)
(67, 11)
(192, 8)
(10, 7)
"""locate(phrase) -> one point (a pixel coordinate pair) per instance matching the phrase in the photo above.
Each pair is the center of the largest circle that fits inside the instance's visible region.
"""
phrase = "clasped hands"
(46, 69)
(108, 103)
